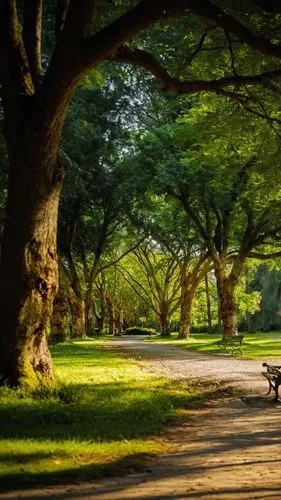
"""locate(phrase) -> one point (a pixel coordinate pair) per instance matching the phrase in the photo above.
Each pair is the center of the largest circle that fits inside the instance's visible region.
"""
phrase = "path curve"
(176, 363)
(223, 450)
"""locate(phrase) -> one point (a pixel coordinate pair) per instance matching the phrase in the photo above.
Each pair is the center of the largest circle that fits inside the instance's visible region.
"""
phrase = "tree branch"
(79, 18)
(143, 58)
(112, 263)
(261, 256)
(15, 77)
(231, 25)
(32, 37)
(199, 48)
(61, 10)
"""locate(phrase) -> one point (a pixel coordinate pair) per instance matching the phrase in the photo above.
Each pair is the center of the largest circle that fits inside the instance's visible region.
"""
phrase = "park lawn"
(103, 416)
(255, 345)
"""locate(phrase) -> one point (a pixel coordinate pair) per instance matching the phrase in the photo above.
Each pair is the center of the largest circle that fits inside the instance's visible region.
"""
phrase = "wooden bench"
(232, 344)
(273, 376)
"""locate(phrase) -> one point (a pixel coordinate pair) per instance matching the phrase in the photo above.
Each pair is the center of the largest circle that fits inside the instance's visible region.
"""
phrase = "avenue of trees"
(140, 155)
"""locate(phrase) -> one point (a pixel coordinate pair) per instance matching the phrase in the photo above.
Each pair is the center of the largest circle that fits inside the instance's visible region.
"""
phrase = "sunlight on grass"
(255, 346)
(103, 411)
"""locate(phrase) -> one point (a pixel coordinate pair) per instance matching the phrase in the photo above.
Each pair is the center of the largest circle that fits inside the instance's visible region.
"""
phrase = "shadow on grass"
(105, 412)
(72, 475)
(87, 415)
(115, 413)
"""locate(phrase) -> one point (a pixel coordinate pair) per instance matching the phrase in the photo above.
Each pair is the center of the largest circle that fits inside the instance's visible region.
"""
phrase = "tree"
(95, 193)
(35, 102)
(232, 202)
(167, 225)
(226, 181)
(157, 282)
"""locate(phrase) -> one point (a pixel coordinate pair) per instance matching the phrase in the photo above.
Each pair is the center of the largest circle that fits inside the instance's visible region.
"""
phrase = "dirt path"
(243, 374)
(227, 449)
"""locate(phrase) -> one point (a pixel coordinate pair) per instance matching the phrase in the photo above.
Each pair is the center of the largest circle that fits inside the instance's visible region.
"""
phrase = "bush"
(138, 330)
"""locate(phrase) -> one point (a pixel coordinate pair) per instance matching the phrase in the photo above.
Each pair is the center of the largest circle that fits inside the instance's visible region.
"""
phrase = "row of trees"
(201, 198)
(190, 46)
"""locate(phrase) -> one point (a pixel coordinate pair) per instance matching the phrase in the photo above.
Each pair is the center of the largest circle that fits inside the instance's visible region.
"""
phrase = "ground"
(227, 448)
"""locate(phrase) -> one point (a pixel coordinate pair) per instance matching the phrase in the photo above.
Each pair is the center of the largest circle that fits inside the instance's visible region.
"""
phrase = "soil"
(227, 448)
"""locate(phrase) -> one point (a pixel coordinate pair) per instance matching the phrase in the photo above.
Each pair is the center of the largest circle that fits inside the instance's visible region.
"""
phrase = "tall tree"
(157, 283)
(35, 102)
(168, 226)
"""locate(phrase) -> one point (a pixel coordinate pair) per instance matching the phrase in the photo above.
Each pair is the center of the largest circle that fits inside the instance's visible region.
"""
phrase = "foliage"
(138, 330)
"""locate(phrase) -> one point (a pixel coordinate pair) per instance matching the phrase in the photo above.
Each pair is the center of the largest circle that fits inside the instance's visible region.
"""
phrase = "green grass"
(262, 346)
(103, 416)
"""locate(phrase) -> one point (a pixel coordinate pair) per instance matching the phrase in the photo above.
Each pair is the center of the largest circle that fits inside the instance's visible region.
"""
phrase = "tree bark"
(208, 304)
(60, 331)
(186, 303)
(164, 322)
(78, 327)
(111, 325)
(102, 315)
(28, 269)
(73, 291)
(227, 306)
(90, 316)
(119, 321)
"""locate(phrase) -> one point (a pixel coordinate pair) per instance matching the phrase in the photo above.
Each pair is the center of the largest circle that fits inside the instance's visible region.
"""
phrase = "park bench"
(232, 344)
(273, 376)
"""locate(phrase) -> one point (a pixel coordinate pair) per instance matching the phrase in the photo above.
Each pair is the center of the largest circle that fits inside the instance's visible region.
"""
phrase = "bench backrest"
(273, 369)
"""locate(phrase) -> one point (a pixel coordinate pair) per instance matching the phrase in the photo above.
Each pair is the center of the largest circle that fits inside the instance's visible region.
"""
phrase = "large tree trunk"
(28, 268)
(226, 284)
(78, 327)
(186, 303)
(90, 316)
(60, 331)
(228, 312)
(227, 306)
(164, 322)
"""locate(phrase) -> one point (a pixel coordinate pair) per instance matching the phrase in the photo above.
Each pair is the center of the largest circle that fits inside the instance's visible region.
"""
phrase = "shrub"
(138, 330)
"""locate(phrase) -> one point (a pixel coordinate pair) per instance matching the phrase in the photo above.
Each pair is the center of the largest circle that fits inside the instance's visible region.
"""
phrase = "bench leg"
(270, 387)
(276, 388)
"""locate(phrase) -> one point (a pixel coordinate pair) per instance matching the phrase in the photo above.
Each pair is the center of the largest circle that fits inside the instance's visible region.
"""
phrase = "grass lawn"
(103, 416)
(262, 346)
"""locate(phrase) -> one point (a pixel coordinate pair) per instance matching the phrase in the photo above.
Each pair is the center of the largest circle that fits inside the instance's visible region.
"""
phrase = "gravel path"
(227, 449)
(176, 363)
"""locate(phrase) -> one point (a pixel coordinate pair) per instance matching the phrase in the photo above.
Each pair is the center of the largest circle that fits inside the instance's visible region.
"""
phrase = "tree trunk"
(227, 306)
(228, 312)
(226, 287)
(90, 316)
(102, 315)
(164, 323)
(78, 328)
(119, 321)
(186, 303)
(28, 268)
(60, 331)
(208, 304)
(111, 326)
